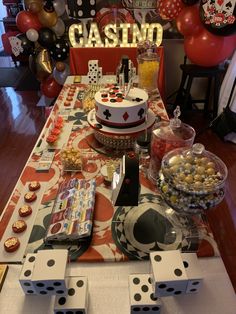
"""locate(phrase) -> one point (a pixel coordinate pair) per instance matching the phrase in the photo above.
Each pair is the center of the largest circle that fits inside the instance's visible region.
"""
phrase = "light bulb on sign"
(72, 31)
(139, 36)
(111, 39)
(124, 27)
(159, 33)
(94, 39)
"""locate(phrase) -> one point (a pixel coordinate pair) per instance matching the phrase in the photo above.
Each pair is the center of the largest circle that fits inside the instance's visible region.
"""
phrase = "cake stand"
(119, 138)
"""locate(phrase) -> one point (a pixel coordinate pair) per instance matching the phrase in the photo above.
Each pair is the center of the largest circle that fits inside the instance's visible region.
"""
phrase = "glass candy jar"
(166, 136)
(192, 180)
(148, 68)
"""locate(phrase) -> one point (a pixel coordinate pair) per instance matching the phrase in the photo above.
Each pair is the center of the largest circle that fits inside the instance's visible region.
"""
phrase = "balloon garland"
(208, 28)
(42, 38)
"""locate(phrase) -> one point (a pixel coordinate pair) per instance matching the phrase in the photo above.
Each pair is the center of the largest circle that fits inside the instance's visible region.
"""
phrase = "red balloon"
(188, 21)
(206, 49)
(26, 20)
(169, 9)
(50, 88)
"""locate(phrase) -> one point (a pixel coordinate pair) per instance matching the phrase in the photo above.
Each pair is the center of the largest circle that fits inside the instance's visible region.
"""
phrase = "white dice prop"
(141, 295)
(92, 77)
(77, 299)
(169, 273)
(93, 66)
(49, 272)
(26, 274)
(193, 271)
(99, 73)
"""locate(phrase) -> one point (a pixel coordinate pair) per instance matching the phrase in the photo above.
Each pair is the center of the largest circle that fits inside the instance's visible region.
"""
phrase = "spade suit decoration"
(219, 16)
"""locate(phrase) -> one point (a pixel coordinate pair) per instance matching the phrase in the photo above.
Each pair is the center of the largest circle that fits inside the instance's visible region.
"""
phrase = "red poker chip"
(105, 99)
(119, 99)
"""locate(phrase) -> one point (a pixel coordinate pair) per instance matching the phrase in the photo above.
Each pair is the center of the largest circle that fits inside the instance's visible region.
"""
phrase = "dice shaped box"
(49, 272)
(93, 66)
(92, 77)
(26, 274)
(141, 295)
(194, 272)
(169, 275)
(76, 301)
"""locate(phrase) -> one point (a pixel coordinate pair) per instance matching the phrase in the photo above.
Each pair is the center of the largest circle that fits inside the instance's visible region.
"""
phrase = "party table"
(110, 242)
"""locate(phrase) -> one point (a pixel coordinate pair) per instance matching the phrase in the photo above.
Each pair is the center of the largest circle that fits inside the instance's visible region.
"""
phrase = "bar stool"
(191, 71)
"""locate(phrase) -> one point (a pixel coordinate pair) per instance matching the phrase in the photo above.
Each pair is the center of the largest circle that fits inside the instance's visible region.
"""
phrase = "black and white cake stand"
(119, 138)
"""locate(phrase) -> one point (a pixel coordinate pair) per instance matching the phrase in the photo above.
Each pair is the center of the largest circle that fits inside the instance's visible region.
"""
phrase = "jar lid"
(194, 170)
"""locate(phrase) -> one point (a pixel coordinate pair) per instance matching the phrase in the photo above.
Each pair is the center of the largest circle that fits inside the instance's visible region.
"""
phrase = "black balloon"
(59, 51)
(47, 37)
(27, 45)
(190, 2)
(221, 20)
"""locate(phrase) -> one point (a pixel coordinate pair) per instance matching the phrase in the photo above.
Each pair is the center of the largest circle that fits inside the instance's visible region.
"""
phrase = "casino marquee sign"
(122, 35)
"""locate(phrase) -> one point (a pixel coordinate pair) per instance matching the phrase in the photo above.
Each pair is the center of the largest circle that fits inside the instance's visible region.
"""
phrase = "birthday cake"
(115, 110)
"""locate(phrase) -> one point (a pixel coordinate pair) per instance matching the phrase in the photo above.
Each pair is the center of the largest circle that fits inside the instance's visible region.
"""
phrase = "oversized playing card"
(15, 45)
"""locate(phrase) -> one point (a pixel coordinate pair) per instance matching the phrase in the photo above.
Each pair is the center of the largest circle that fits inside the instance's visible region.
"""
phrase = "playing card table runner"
(110, 242)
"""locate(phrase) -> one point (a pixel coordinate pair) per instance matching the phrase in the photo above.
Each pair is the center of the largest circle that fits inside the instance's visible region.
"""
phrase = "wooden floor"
(21, 123)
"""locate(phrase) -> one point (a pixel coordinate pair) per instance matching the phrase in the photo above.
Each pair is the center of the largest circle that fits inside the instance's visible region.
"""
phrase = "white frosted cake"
(116, 111)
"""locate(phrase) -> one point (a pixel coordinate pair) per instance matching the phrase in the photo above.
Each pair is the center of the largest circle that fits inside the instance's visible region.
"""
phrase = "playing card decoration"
(219, 16)
(81, 8)
(26, 44)
(169, 9)
(16, 47)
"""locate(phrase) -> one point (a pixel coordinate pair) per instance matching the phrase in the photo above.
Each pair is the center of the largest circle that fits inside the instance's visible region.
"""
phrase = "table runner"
(110, 241)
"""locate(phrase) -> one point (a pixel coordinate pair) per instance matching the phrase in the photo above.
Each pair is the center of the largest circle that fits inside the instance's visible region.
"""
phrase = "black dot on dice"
(40, 284)
(170, 289)
(136, 309)
(62, 301)
(79, 312)
(30, 291)
(60, 291)
(178, 272)
(162, 286)
(193, 290)
(136, 280)
(144, 288)
(51, 262)
(195, 283)
(31, 259)
(43, 292)
(69, 312)
(155, 308)
(79, 283)
(177, 292)
(145, 309)
(150, 280)
(137, 297)
(27, 284)
(71, 291)
(185, 264)
(152, 297)
(27, 273)
(50, 288)
(57, 283)
(157, 258)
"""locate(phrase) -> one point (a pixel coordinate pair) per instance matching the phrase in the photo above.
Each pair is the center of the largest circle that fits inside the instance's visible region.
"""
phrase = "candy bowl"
(192, 180)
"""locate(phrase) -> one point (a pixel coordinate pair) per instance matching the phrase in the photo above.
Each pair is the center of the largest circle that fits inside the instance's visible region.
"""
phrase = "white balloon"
(59, 27)
(32, 34)
(59, 6)
(60, 77)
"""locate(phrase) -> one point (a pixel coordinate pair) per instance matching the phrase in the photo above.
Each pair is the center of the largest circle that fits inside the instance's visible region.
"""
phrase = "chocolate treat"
(25, 211)
(34, 186)
(30, 197)
(11, 244)
(19, 226)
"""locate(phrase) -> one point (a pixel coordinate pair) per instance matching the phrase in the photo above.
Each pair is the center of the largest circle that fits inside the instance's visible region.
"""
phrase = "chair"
(189, 73)
(109, 59)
